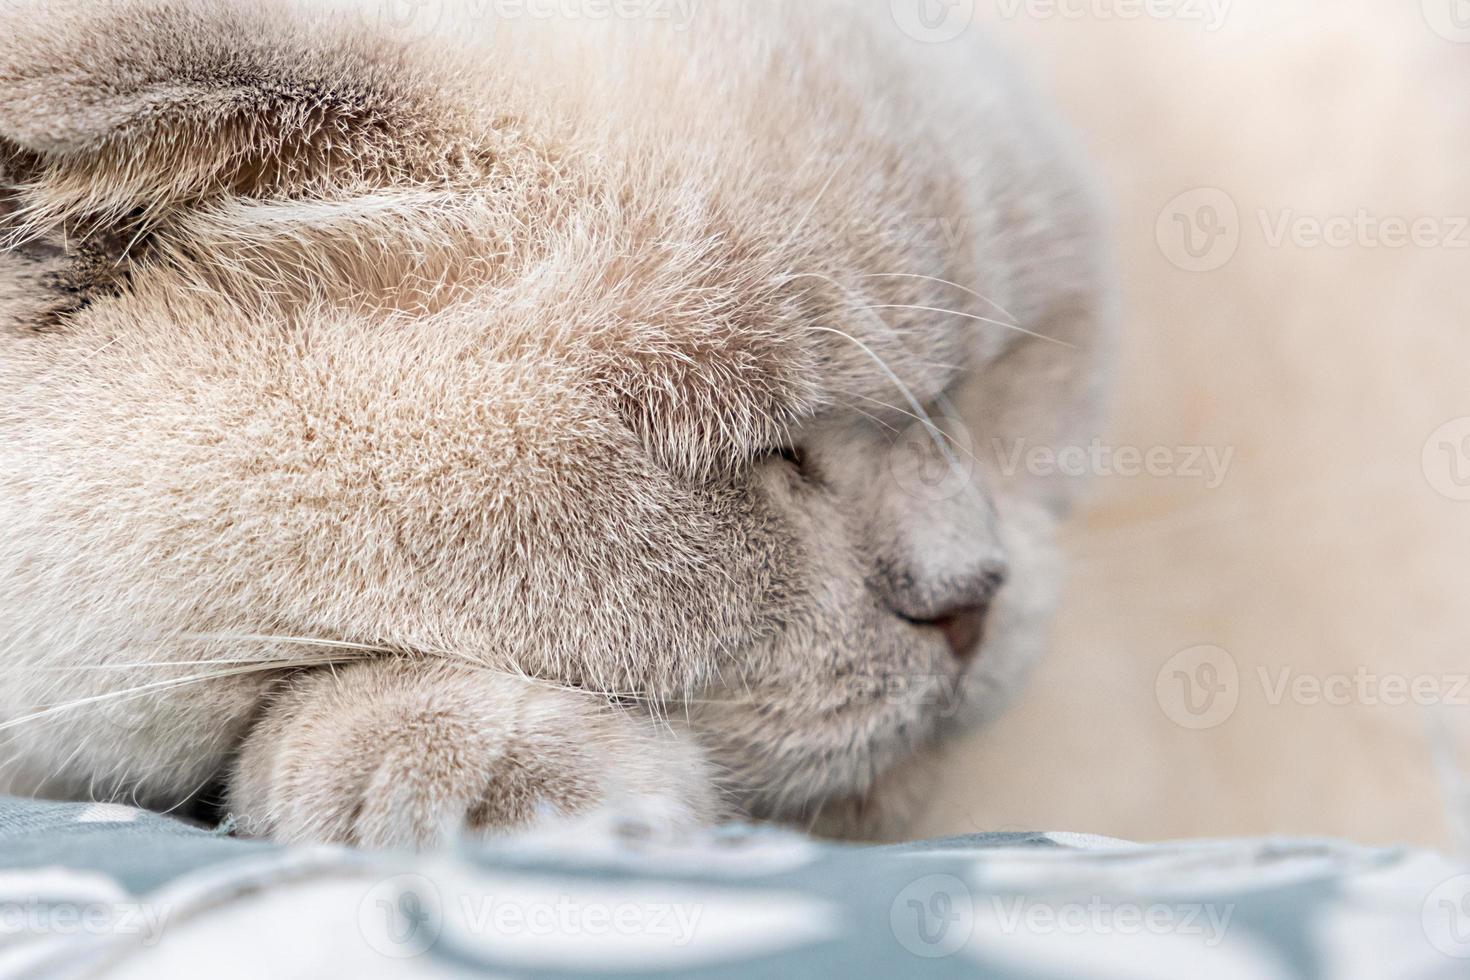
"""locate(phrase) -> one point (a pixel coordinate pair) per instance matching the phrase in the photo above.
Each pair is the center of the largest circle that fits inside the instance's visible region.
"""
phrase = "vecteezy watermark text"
(405, 916)
(938, 21)
(421, 18)
(1210, 14)
(1203, 229)
(38, 917)
(1201, 688)
(1101, 917)
(1207, 464)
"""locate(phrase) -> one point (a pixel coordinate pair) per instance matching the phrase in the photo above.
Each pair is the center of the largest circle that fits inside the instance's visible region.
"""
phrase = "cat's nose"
(963, 628)
(961, 617)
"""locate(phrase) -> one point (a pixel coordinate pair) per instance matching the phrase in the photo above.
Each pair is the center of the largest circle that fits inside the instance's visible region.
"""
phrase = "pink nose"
(963, 628)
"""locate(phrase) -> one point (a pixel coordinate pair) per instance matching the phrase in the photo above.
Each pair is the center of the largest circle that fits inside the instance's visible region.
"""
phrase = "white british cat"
(422, 432)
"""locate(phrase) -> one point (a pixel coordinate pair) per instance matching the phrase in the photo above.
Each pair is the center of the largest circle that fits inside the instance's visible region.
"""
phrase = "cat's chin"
(888, 810)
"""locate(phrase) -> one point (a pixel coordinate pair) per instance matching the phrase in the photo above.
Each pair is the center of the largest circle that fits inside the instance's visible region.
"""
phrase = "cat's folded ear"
(116, 107)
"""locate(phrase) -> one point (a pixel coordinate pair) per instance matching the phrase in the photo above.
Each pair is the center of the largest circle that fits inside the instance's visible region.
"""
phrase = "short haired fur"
(428, 433)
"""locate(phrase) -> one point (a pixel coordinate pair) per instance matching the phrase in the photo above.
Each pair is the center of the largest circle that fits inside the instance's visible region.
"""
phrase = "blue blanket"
(105, 890)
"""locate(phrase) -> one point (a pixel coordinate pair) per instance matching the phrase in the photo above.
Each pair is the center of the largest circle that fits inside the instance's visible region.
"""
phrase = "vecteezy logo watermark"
(413, 19)
(401, 917)
(1199, 688)
(1202, 230)
(1209, 465)
(403, 19)
(1450, 19)
(933, 21)
(1101, 917)
(1199, 231)
(934, 461)
(934, 917)
(37, 917)
(1212, 14)
(1447, 460)
(1202, 687)
(1446, 918)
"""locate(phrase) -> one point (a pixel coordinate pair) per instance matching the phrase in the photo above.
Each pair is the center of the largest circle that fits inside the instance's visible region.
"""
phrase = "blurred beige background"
(1333, 553)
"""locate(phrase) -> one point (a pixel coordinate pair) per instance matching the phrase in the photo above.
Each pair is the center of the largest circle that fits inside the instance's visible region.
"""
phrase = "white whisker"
(137, 692)
(933, 430)
(975, 317)
(800, 225)
(295, 640)
(1015, 320)
(894, 408)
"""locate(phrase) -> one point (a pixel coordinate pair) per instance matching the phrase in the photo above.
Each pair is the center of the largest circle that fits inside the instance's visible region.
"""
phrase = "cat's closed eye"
(791, 455)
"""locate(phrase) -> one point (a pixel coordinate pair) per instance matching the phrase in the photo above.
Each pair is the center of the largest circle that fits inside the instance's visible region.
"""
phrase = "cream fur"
(412, 459)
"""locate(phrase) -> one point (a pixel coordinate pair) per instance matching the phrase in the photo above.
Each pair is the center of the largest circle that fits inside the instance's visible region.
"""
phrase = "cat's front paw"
(399, 754)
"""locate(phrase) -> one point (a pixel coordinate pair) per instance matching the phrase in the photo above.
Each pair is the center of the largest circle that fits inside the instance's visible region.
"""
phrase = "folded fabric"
(106, 890)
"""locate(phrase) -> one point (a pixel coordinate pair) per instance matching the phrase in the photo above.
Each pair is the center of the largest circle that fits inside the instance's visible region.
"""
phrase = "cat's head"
(679, 366)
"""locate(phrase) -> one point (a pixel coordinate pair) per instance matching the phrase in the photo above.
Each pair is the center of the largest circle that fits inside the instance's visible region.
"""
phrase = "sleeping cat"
(428, 433)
